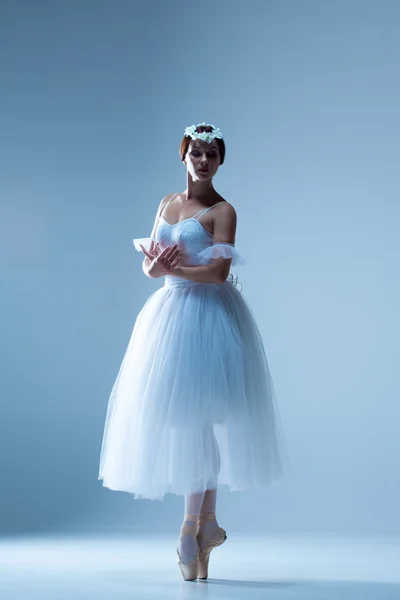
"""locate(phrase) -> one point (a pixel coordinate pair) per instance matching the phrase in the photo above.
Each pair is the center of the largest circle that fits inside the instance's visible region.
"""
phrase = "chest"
(190, 235)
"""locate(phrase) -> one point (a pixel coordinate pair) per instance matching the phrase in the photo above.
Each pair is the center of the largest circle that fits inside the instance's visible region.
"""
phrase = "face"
(202, 155)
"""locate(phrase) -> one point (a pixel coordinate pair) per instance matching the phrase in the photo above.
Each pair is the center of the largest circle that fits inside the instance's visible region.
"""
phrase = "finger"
(174, 252)
(175, 260)
(175, 249)
(168, 251)
(148, 254)
(174, 263)
(171, 258)
(144, 250)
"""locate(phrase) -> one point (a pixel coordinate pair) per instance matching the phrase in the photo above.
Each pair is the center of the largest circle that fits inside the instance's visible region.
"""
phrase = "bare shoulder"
(164, 201)
(226, 210)
(224, 223)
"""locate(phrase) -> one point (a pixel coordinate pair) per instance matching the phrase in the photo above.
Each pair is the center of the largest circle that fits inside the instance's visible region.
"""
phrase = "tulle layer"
(193, 399)
(220, 249)
(146, 241)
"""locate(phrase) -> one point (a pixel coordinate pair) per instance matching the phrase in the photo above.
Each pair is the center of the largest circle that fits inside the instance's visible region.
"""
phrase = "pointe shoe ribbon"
(218, 538)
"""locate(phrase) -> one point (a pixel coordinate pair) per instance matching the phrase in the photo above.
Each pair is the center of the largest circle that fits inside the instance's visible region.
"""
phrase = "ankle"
(205, 517)
(189, 525)
(207, 527)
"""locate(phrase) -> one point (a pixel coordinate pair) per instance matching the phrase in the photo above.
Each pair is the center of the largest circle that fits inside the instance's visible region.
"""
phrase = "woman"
(193, 404)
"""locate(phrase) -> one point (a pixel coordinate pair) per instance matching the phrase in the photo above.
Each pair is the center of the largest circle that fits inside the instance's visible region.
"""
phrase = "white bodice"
(194, 240)
(191, 236)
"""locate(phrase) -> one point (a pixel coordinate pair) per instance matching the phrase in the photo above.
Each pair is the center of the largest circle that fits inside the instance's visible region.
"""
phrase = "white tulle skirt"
(193, 405)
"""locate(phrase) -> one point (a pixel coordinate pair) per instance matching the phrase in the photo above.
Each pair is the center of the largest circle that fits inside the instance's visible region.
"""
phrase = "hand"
(154, 250)
(164, 261)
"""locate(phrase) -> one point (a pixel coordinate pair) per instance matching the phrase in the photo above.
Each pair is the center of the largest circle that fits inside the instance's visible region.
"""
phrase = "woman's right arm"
(146, 261)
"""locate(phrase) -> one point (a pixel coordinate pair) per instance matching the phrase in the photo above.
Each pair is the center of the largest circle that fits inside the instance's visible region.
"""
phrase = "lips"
(204, 170)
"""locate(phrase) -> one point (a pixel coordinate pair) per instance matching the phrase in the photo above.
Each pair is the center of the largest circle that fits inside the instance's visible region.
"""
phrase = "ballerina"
(193, 404)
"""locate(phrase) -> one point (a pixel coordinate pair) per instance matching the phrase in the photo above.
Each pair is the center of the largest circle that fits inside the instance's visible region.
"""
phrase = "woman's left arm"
(217, 270)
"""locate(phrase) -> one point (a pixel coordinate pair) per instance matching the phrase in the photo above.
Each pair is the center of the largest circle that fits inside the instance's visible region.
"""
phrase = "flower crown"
(205, 136)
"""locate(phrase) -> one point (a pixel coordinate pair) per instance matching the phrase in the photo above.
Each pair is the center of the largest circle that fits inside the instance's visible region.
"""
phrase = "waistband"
(172, 281)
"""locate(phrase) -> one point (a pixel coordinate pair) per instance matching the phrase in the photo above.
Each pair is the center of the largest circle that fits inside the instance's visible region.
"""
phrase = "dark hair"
(186, 141)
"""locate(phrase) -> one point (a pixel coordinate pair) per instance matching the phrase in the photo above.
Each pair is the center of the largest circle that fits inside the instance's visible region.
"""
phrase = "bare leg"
(209, 501)
(187, 543)
(207, 527)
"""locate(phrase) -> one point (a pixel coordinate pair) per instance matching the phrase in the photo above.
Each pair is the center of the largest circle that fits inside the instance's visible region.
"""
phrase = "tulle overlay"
(193, 397)
(193, 401)
(220, 250)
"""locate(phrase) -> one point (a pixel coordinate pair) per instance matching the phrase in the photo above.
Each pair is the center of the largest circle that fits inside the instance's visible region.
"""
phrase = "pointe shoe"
(218, 538)
(188, 570)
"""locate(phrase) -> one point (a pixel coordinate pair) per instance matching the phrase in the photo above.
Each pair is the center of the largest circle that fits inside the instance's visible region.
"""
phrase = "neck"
(203, 191)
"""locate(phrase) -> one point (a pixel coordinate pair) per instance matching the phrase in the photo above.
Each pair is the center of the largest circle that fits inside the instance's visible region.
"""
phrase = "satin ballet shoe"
(188, 569)
(217, 539)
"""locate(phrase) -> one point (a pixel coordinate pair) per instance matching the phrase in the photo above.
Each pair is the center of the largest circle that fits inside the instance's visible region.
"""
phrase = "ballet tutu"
(193, 404)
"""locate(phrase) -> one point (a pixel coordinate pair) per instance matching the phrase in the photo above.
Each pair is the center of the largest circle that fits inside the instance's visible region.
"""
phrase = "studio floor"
(268, 567)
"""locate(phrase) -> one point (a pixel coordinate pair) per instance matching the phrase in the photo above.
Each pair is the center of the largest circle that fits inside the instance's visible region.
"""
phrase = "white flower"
(207, 136)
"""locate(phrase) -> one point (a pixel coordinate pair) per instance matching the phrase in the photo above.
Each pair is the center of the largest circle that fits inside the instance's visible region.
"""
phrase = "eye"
(197, 153)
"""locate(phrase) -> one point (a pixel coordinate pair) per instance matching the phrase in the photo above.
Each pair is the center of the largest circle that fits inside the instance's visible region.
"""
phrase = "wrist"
(177, 271)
